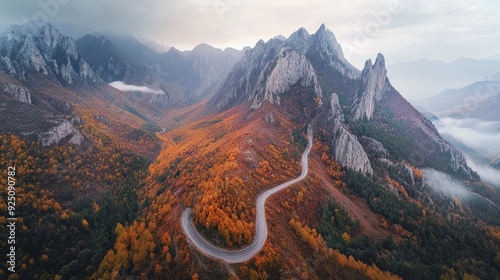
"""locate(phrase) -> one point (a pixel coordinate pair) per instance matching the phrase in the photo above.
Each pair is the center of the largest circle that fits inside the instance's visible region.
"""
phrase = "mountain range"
(113, 141)
(467, 118)
(473, 101)
(424, 78)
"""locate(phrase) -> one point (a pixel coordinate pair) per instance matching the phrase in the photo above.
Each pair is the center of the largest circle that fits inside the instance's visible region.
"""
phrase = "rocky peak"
(289, 69)
(46, 52)
(50, 36)
(326, 40)
(299, 39)
(373, 84)
(31, 56)
(323, 48)
(62, 129)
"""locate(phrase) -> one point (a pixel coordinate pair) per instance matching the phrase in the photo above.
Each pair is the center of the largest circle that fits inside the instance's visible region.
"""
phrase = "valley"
(204, 164)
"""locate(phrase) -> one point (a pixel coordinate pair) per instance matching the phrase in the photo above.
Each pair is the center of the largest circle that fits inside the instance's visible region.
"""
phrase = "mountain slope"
(108, 61)
(80, 148)
(386, 197)
(369, 205)
(272, 71)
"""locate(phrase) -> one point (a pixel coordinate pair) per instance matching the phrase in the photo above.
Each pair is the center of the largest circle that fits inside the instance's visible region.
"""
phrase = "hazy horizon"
(402, 31)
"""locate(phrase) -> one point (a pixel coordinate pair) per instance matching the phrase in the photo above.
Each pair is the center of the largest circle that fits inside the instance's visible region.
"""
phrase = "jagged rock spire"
(373, 82)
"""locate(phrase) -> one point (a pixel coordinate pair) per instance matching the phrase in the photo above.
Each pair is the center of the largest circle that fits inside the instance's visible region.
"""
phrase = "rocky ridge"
(275, 70)
(347, 149)
(47, 52)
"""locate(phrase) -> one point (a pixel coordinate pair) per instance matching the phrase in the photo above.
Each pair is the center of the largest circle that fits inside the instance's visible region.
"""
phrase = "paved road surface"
(247, 253)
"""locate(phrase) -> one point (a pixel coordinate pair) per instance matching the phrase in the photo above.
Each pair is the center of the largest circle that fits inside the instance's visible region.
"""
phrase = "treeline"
(433, 243)
(69, 201)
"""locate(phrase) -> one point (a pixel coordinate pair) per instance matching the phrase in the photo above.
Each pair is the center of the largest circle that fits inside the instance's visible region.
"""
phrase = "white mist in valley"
(479, 140)
(488, 174)
(445, 184)
(125, 87)
(448, 186)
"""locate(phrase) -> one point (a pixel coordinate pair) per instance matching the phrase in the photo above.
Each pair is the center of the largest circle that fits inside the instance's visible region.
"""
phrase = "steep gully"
(247, 253)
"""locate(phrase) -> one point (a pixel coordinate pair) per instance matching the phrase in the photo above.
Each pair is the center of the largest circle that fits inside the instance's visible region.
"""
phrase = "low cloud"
(488, 174)
(481, 136)
(481, 144)
(445, 184)
(132, 88)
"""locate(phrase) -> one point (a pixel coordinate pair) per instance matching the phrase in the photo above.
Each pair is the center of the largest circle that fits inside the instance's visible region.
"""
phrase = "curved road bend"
(246, 253)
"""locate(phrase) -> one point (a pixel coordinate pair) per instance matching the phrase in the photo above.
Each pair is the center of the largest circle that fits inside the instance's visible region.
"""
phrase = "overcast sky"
(433, 29)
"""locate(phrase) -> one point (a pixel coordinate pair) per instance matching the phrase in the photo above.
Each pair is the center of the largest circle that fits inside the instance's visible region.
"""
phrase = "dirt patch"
(371, 223)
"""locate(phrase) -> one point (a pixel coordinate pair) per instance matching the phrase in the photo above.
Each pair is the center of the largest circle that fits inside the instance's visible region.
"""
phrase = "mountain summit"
(308, 74)
(47, 52)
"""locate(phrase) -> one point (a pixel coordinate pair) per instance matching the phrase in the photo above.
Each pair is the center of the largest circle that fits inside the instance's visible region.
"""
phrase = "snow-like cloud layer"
(482, 141)
(125, 87)
(488, 174)
(482, 136)
(445, 184)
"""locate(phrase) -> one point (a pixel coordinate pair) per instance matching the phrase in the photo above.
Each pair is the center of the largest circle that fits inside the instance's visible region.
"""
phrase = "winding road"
(246, 253)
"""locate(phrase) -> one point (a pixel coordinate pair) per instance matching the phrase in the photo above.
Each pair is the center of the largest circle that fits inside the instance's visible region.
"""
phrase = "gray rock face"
(374, 145)
(60, 131)
(29, 121)
(267, 72)
(458, 161)
(373, 84)
(46, 52)
(409, 171)
(279, 75)
(17, 93)
(288, 62)
(347, 149)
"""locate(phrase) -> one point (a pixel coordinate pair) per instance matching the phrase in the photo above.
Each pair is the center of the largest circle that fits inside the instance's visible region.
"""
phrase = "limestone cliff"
(62, 130)
(347, 149)
(373, 84)
(288, 69)
(16, 92)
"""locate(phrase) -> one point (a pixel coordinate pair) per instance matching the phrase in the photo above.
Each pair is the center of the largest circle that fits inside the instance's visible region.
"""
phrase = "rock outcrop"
(61, 130)
(324, 44)
(288, 69)
(16, 92)
(373, 85)
(199, 71)
(347, 149)
(374, 146)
